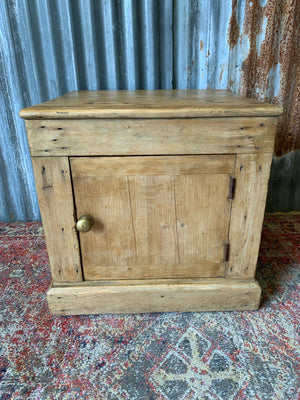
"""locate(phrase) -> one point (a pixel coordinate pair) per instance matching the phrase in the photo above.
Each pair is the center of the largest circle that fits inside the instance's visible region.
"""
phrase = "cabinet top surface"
(149, 104)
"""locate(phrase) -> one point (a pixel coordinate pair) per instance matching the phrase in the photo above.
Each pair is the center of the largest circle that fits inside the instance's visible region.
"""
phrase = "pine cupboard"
(152, 200)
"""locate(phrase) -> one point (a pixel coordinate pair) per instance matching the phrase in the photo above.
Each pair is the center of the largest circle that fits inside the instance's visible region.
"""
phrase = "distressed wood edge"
(93, 145)
(75, 103)
(59, 272)
(203, 295)
(244, 236)
(115, 113)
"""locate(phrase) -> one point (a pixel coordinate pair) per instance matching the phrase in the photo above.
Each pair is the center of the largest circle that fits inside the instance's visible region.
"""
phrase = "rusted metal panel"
(271, 70)
(49, 47)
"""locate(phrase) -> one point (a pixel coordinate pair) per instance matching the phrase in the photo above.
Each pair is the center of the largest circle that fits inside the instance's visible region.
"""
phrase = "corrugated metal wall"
(49, 47)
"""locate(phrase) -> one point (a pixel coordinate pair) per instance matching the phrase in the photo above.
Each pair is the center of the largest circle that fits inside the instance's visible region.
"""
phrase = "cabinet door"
(155, 216)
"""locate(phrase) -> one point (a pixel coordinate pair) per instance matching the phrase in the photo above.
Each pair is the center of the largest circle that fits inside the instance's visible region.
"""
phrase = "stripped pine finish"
(158, 165)
(168, 217)
(149, 104)
(205, 295)
(248, 212)
(153, 136)
(53, 184)
(167, 190)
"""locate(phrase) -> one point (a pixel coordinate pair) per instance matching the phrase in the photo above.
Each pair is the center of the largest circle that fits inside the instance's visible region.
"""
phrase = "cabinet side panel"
(252, 175)
(53, 183)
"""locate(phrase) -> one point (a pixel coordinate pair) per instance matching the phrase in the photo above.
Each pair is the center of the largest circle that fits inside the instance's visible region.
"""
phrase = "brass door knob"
(85, 223)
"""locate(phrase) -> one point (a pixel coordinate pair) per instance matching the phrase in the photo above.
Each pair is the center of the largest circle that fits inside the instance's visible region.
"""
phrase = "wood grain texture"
(203, 214)
(165, 219)
(205, 269)
(53, 183)
(248, 207)
(141, 282)
(156, 165)
(201, 295)
(157, 136)
(149, 104)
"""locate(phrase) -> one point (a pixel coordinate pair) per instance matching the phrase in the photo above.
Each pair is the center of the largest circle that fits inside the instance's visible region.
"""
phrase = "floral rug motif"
(164, 356)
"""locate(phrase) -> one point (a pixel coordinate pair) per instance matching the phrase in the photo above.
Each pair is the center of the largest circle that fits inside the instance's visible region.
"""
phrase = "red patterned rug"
(175, 356)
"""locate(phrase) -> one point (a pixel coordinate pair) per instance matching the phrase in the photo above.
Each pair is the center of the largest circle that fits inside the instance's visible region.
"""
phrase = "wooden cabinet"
(173, 184)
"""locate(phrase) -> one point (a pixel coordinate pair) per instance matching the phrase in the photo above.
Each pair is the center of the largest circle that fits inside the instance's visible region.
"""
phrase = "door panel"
(155, 216)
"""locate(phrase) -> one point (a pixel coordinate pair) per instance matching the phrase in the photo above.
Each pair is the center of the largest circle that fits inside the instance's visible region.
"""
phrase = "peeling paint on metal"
(270, 72)
(49, 47)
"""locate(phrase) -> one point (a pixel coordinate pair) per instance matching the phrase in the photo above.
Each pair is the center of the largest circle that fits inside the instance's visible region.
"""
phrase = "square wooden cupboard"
(152, 200)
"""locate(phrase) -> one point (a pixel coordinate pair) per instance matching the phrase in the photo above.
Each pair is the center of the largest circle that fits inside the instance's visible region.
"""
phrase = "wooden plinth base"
(159, 295)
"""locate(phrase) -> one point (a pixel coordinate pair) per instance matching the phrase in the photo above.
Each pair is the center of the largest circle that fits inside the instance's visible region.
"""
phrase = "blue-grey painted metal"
(49, 47)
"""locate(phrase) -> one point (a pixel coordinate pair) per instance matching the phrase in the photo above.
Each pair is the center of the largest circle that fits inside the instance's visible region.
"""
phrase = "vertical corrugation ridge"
(148, 46)
(128, 46)
(181, 46)
(18, 190)
(50, 47)
(165, 41)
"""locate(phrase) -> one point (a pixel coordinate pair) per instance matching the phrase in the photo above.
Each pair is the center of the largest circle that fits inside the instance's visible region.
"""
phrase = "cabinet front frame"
(55, 190)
